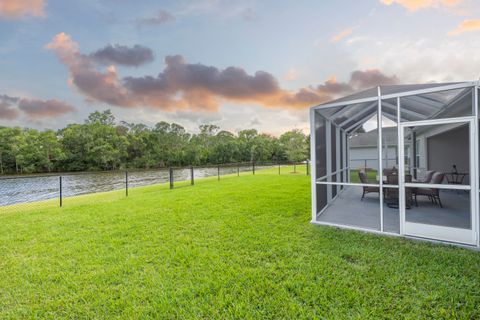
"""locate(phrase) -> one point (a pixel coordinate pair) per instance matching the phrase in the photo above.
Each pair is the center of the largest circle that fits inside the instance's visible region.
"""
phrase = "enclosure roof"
(370, 139)
(417, 102)
(389, 89)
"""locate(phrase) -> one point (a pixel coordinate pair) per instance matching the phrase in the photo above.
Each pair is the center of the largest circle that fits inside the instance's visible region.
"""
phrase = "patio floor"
(347, 209)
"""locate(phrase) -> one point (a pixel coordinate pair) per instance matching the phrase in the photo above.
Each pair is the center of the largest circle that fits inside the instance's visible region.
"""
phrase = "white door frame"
(464, 236)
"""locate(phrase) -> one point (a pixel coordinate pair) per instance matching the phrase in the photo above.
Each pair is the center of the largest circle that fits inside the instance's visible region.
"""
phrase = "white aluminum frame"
(411, 95)
(313, 166)
(442, 233)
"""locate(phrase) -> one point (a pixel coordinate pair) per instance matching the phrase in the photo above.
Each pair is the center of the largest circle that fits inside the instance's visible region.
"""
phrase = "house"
(363, 149)
(432, 194)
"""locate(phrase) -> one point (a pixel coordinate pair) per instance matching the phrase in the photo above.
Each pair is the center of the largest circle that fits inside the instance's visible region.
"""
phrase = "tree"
(102, 144)
(106, 118)
(9, 139)
(52, 151)
(295, 145)
(246, 142)
(224, 149)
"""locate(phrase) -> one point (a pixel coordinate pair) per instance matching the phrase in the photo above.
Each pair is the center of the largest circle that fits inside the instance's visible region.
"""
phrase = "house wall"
(360, 154)
(448, 148)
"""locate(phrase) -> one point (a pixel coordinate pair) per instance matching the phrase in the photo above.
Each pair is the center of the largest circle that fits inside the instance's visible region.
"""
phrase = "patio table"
(384, 178)
(455, 177)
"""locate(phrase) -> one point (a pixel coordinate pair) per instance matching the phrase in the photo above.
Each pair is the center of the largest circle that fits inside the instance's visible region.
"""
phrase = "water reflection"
(24, 189)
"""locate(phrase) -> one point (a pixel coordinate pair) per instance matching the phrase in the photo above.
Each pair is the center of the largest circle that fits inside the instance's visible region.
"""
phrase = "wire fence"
(51, 190)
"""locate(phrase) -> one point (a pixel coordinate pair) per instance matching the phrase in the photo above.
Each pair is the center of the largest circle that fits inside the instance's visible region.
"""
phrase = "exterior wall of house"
(361, 156)
(447, 149)
(442, 147)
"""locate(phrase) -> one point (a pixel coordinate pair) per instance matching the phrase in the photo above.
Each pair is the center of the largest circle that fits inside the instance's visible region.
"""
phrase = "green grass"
(371, 176)
(239, 248)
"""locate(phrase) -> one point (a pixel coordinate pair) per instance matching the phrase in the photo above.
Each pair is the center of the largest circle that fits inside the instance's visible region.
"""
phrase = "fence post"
(365, 166)
(294, 167)
(253, 167)
(279, 166)
(170, 171)
(61, 192)
(126, 183)
(238, 169)
(192, 176)
(218, 172)
(308, 173)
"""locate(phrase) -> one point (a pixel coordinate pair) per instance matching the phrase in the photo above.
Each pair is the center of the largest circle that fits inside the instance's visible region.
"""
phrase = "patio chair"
(428, 176)
(389, 171)
(391, 194)
(363, 179)
(432, 193)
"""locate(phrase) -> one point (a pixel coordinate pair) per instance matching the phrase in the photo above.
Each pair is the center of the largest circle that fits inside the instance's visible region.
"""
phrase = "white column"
(380, 164)
(313, 164)
(474, 175)
(401, 170)
(337, 140)
(345, 160)
(385, 144)
(328, 131)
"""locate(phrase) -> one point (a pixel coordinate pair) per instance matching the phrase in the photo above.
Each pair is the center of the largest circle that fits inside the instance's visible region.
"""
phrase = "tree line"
(100, 143)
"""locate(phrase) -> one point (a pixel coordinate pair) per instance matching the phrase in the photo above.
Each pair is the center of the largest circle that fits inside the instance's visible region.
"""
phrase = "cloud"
(466, 26)
(16, 9)
(160, 18)
(184, 86)
(8, 109)
(370, 78)
(415, 5)
(342, 34)
(255, 122)
(195, 117)
(249, 14)
(65, 47)
(36, 109)
(331, 89)
(290, 75)
(199, 85)
(95, 85)
(420, 60)
(123, 55)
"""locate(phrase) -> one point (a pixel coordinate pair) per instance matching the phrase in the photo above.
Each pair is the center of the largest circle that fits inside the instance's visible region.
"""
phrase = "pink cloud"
(415, 5)
(16, 9)
(466, 26)
(193, 86)
(342, 34)
(8, 110)
(34, 109)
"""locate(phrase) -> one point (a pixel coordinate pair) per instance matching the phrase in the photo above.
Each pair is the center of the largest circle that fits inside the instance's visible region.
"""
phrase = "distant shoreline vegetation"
(102, 144)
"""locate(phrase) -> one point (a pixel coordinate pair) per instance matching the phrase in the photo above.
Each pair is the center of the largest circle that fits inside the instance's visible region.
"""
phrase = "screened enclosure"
(399, 159)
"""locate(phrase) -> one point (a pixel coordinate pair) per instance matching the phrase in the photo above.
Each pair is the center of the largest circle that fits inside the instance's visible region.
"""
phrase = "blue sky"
(307, 51)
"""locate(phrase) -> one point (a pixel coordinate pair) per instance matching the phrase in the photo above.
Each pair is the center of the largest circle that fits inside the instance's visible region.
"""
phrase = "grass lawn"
(239, 248)
(371, 176)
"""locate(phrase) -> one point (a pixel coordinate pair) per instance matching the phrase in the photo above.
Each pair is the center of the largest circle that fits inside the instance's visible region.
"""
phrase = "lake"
(23, 189)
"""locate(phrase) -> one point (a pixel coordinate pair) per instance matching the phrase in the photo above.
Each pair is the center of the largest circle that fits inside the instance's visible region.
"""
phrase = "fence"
(371, 163)
(55, 188)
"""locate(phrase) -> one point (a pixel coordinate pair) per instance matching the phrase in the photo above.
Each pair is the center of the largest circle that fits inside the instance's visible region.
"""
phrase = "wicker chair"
(428, 176)
(432, 193)
(363, 179)
(391, 194)
(390, 171)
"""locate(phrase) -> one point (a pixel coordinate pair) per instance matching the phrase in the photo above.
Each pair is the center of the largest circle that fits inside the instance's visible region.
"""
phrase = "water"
(25, 189)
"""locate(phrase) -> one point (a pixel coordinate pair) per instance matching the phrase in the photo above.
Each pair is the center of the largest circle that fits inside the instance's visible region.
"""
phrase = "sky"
(237, 64)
